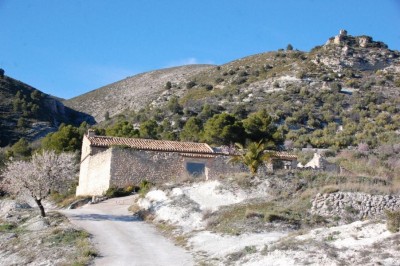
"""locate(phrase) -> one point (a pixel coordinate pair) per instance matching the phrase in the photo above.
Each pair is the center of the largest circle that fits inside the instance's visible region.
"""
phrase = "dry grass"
(393, 221)
(172, 232)
(292, 195)
(59, 243)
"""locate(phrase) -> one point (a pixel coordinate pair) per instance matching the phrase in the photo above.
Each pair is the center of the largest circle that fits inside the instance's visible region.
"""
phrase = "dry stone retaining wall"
(361, 205)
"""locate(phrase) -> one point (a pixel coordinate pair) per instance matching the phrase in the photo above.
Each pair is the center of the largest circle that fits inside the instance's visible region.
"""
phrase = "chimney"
(91, 133)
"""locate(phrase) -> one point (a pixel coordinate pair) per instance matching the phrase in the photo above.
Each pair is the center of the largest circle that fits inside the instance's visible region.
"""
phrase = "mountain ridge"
(128, 89)
(342, 53)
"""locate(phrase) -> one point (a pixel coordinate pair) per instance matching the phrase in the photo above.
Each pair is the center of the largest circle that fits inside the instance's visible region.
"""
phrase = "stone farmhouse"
(119, 162)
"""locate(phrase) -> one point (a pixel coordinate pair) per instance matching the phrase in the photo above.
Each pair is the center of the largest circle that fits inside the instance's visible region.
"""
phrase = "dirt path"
(123, 240)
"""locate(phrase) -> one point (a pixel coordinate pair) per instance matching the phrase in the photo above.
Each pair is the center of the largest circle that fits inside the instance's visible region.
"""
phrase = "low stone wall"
(361, 205)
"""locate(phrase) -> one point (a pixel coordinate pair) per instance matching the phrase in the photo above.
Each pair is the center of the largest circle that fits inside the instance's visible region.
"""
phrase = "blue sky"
(67, 48)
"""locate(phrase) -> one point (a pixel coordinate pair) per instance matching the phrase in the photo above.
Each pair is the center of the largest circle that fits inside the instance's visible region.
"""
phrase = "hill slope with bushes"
(26, 112)
(343, 93)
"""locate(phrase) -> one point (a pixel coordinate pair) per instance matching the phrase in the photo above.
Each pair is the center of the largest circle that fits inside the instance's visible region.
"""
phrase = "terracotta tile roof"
(198, 155)
(282, 155)
(150, 144)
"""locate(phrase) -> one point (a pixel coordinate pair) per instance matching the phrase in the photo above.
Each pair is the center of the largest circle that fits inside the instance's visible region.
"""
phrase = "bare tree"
(44, 173)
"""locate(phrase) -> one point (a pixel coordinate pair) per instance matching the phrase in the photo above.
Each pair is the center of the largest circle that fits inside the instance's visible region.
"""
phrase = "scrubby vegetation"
(115, 192)
(26, 112)
(298, 97)
(142, 188)
(289, 201)
(56, 242)
(393, 221)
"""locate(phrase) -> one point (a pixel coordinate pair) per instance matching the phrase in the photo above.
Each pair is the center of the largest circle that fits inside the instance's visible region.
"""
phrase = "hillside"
(339, 94)
(29, 113)
(342, 93)
(132, 93)
(368, 66)
(353, 62)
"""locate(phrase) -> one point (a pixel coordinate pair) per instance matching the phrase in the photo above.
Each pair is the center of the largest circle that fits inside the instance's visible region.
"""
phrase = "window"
(195, 169)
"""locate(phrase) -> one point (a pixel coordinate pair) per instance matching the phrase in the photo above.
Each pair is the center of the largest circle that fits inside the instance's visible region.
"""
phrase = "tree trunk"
(39, 203)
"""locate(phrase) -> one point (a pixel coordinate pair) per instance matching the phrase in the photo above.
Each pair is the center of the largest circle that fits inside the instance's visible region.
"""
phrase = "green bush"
(190, 84)
(219, 80)
(115, 192)
(6, 227)
(393, 221)
(168, 85)
(145, 187)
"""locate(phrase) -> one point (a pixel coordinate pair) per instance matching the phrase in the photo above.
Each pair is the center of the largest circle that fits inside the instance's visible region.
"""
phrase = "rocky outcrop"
(355, 41)
(360, 205)
(357, 52)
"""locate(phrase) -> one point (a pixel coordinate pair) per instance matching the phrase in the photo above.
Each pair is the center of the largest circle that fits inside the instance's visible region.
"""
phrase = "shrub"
(207, 86)
(168, 85)
(129, 189)
(243, 74)
(115, 192)
(231, 72)
(336, 87)
(273, 217)
(145, 187)
(254, 214)
(239, 81)
(190, 84)
(7, 227)
(393, 221)
(219, 80)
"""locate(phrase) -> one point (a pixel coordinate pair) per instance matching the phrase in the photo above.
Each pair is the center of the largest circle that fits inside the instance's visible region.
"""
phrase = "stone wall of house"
(130, 167)
(94, 175)
(360, 205)
(102, 168)
(220, 166)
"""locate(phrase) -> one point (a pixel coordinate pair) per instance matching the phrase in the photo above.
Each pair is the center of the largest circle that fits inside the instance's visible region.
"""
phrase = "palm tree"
(253, 156)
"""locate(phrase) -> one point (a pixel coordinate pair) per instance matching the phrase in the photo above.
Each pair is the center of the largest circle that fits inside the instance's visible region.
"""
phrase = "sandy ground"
(123, 240)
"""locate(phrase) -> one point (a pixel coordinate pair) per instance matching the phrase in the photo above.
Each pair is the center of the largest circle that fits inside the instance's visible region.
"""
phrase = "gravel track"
(122, 239)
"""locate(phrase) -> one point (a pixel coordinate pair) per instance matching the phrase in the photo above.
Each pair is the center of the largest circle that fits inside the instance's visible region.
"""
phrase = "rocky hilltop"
(360, 52)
